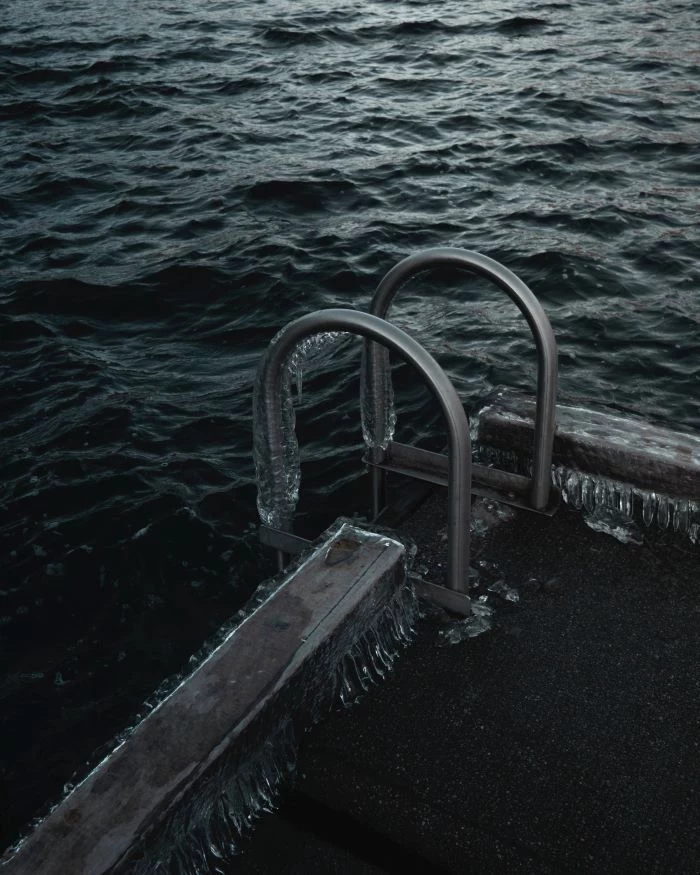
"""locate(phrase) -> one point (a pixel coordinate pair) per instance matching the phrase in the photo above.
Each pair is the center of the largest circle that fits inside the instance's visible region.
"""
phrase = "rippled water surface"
(178, 180)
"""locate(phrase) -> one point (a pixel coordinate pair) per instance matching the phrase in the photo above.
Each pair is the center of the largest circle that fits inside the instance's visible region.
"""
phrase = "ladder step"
(512, 489)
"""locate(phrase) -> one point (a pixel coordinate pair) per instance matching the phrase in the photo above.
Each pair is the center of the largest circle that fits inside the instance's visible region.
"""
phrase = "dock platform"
(563, 740)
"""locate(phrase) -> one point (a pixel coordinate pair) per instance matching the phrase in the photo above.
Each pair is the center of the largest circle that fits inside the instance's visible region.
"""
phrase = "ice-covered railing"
(278, 472)
(275, 446)
(377, 401)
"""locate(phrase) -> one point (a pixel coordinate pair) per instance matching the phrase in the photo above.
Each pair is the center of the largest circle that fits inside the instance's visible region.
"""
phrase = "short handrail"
(269, 387)
(462, 259)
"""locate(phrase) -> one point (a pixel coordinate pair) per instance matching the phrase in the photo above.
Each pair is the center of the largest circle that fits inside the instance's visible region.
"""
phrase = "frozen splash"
(612, 507)
(480, 621)
(277, 466)
(377, 400)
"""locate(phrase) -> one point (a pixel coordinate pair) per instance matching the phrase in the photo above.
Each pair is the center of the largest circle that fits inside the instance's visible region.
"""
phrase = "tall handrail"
(269, 383)
(377, 364)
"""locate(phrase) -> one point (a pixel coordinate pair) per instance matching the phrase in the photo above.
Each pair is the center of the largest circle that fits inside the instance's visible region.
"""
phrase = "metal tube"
(459, 443)
(536, 318)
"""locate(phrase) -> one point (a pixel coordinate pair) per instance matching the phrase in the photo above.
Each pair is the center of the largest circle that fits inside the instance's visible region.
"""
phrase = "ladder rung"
(512, 489)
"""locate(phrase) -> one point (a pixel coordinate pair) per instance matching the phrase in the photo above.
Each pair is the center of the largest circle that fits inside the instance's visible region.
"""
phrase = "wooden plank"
(622, 448)
(341, 588)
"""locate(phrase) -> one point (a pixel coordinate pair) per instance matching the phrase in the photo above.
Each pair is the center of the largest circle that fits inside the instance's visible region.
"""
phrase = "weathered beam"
(276, 661)
(623, 448)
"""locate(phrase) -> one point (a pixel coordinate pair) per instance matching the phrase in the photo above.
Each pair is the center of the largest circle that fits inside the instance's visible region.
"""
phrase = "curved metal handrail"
(529, 306)
(459, 444)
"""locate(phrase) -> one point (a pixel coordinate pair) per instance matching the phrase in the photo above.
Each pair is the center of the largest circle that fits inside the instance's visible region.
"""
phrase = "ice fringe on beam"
(591, 492)
(205, 825)
(377, 430)
(204, 834)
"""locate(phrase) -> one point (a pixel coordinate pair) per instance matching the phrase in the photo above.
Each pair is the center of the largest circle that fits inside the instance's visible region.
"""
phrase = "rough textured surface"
(564, 740)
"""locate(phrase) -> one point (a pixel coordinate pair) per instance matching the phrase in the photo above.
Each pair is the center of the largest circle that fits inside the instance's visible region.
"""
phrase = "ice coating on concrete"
(278, 470)
(601, 428)
(205, 826)
(205, 834)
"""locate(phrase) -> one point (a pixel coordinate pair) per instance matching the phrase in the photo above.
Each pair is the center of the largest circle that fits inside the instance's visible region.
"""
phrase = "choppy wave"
(175, 185)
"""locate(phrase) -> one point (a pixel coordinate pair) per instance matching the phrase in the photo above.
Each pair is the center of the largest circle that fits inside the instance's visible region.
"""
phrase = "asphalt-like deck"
(564, 740)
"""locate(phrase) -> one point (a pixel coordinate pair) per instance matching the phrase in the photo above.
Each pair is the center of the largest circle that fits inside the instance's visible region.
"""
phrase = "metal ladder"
(534, 493)
(455, 469)
(455, 596)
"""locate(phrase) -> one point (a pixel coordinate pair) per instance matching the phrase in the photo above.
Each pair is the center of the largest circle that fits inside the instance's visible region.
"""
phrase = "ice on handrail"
(378, 413)
(278, 473)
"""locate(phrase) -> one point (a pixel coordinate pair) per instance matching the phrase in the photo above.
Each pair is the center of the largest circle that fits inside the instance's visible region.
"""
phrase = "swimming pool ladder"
(534, 493)
(454, 469)
(269, 386)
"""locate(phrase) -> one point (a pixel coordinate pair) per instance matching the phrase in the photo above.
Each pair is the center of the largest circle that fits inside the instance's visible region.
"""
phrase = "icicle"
(624, 500)
(572, 488)
(663, 511)
(348, 694)
(588, 493)
(681, 516)
(600, 494)
(648, 507)
(377, 400)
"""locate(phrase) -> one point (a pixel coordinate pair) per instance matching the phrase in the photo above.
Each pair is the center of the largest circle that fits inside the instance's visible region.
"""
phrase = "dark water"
(177, 181)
